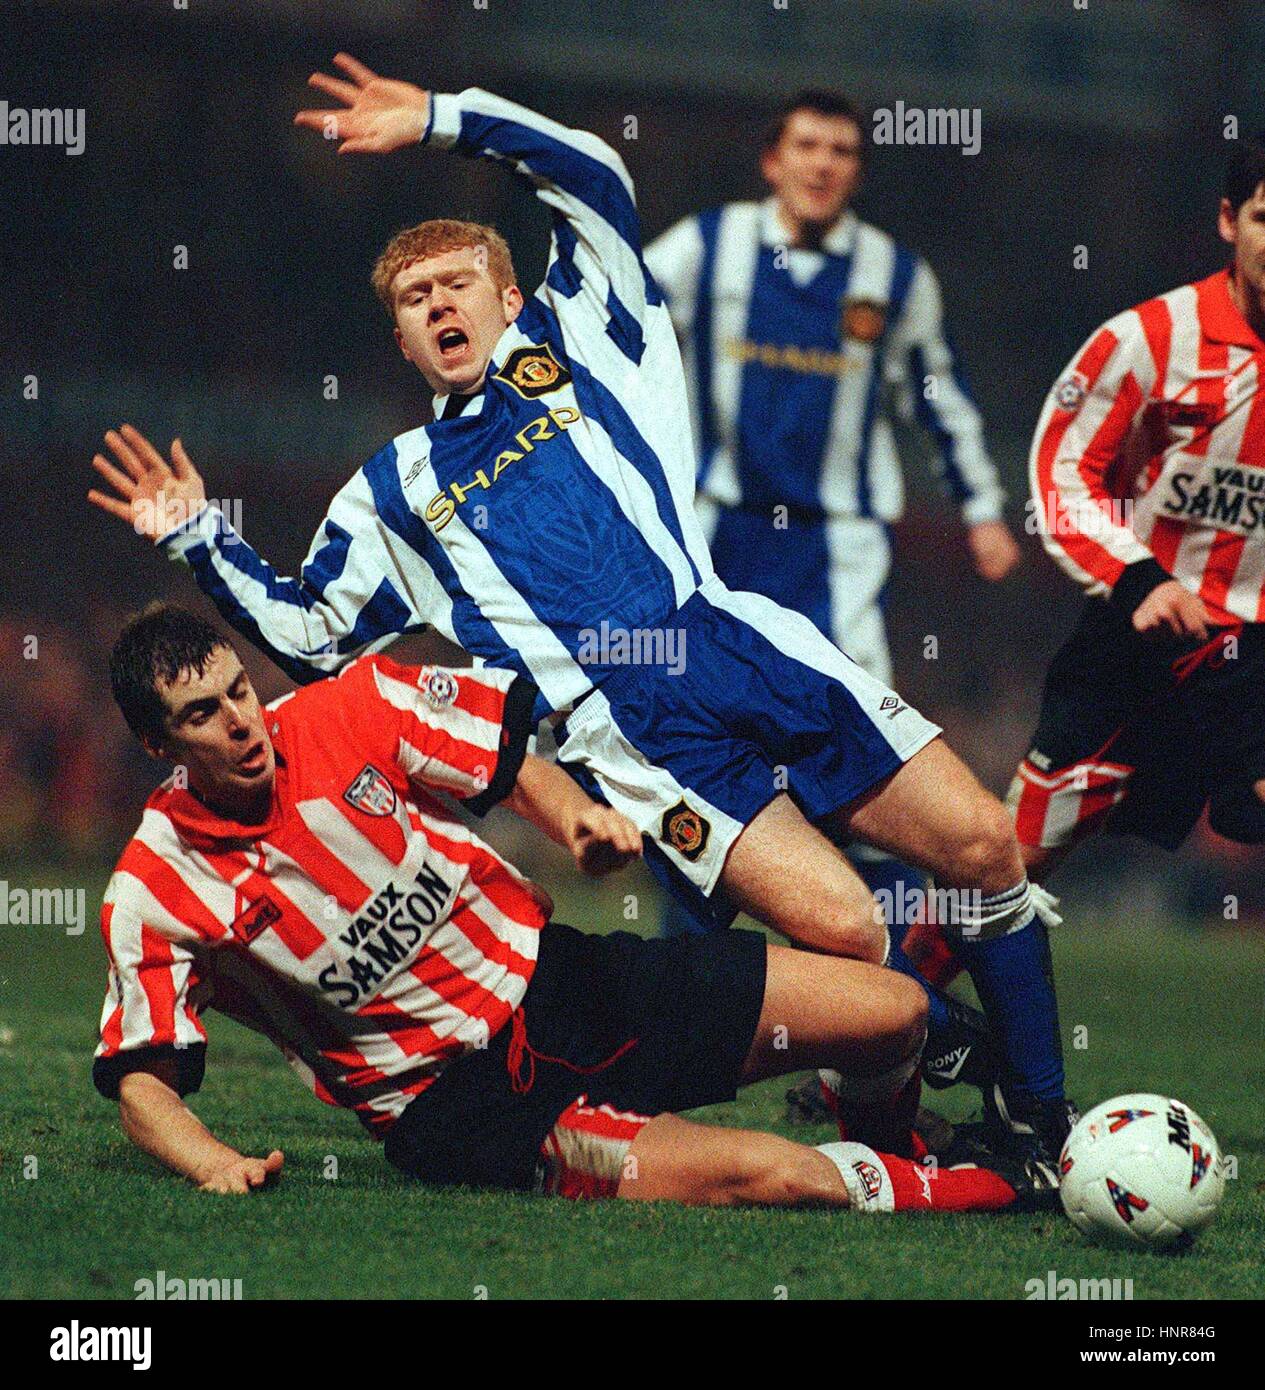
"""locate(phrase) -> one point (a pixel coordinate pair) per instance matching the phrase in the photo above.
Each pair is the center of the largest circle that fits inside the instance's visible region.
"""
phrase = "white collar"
(838, 241)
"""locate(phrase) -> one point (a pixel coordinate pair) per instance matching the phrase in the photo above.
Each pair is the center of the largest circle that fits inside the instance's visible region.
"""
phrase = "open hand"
(1171, 606)
(152, 497)
(243, 1174)
(380, 113)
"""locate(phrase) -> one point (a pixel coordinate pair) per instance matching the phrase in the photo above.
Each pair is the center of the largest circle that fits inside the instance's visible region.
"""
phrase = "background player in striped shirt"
(802, 329)
(1148, 480)
(549, 508)
(304, 877)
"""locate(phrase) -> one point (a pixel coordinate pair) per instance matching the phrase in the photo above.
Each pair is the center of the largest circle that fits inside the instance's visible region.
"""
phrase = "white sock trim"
(864, 1175)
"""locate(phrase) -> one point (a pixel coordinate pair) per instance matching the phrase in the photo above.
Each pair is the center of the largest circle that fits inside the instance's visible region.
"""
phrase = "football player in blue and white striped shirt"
(545, 523)
(802, 328)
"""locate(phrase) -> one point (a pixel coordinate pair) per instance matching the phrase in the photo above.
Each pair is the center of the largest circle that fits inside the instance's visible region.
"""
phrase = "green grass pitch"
(1159, 1009)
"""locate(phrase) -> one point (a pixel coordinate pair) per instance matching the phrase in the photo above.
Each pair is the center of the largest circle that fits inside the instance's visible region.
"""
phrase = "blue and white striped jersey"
(559, 500)
(793, 358)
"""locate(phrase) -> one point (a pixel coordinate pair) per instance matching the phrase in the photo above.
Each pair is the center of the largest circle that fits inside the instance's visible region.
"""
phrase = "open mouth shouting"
(453, 345)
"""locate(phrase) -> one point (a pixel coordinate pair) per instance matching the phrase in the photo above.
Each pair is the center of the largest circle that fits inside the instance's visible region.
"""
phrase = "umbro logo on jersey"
(371, 793)
(262, 913)
(533, 371)
(891, 706)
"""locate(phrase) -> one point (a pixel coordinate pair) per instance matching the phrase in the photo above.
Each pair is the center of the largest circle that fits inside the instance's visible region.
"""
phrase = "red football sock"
(916, 1188)
(930, 955)
(887, 1127)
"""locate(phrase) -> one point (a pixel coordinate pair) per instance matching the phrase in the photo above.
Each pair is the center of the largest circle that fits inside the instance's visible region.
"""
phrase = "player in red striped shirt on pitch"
(304, 878)
(1148, 477)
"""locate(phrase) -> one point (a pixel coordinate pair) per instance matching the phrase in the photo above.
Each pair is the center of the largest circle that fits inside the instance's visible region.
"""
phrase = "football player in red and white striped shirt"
(300, 873)
(1148, 482)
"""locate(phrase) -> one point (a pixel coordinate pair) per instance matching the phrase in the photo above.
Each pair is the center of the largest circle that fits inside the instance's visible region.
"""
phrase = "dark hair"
(824, 101)
(155, 645)
(1245, 170)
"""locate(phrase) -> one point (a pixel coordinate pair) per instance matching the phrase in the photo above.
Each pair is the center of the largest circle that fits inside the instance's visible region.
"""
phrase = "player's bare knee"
(989, 857)
(900, 1022)
(862, 931)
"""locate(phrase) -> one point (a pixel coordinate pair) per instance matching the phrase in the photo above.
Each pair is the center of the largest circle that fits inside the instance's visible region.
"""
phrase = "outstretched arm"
(156, 1120)
(350, 596)
(583, 180)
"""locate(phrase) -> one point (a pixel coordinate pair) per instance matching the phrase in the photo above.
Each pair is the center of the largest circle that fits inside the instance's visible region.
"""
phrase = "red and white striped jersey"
(1152, 446)
(363, 928)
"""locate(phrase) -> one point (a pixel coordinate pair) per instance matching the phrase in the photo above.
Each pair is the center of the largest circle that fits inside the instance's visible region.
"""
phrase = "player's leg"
(787, 875)
(935, 812)
(678, 1160)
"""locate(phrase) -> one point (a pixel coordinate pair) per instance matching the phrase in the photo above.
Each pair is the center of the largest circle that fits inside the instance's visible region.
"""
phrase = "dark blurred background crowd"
(1102, 129)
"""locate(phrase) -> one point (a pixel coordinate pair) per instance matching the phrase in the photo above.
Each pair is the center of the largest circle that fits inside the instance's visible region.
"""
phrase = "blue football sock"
(1014, 978)
(899, 889)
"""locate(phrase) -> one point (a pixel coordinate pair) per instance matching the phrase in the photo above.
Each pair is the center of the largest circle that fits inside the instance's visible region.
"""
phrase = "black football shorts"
(613, 1030)
(1138, 734)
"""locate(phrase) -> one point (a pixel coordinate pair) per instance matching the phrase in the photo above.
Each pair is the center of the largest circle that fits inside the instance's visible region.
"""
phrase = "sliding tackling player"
(304, 877)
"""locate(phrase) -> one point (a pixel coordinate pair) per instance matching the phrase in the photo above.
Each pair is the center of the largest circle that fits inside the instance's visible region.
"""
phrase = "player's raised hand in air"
(1170, 606)
(993, 549)
(243, 1174)
(152, 496)
(379, 114)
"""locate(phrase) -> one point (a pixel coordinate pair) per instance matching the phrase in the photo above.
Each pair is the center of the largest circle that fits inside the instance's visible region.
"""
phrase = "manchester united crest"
(534, 371)
(863, 320)
(371, 793)
(685, 830)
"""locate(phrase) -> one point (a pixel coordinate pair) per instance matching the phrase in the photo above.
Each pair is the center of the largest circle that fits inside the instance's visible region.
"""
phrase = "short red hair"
(433, 238)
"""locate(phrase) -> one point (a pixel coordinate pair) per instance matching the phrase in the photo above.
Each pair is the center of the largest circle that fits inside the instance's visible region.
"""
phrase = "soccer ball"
(1141, 1170)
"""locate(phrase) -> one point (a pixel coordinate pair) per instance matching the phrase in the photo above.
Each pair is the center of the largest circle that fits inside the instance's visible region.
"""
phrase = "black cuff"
(183, 1066)
(516, 729)
(1137, 580)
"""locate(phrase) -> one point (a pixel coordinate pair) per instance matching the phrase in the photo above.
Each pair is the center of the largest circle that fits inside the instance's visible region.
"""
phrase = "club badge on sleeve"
(863, 320)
